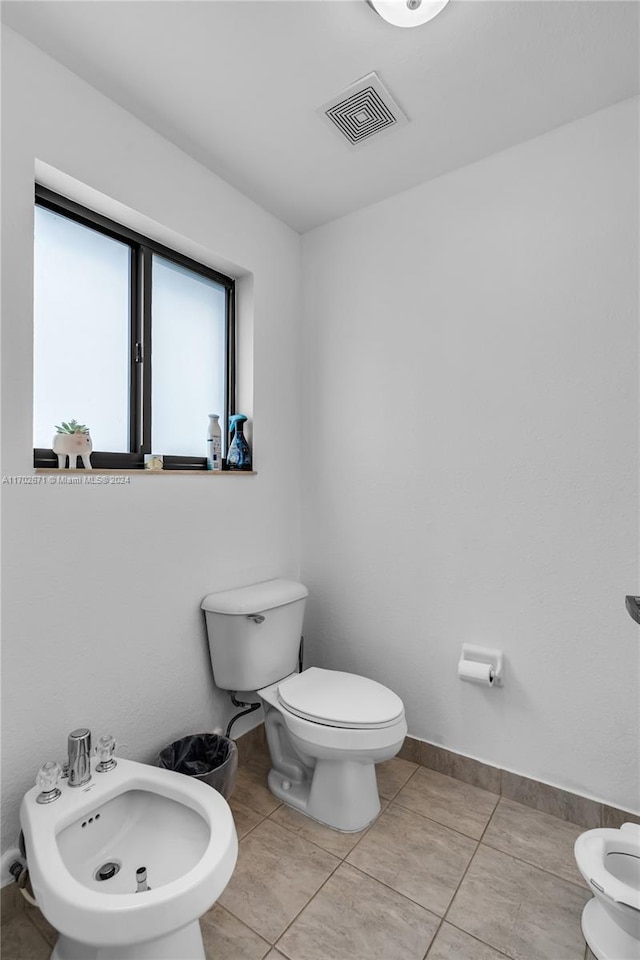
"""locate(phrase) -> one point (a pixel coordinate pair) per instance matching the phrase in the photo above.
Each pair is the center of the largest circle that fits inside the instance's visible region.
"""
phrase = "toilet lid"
(339, 699)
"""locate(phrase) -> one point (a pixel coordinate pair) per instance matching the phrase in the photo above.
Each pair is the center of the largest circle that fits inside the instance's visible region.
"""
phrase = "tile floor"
(447, 872)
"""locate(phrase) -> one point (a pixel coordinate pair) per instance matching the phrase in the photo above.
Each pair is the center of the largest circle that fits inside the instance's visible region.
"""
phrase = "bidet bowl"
(135, 815)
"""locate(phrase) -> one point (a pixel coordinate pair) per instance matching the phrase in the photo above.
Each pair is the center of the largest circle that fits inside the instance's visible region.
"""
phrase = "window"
(131, 338)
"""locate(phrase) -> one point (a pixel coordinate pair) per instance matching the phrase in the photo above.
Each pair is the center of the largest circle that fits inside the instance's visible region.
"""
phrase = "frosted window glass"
(81, 332)
(188, 358)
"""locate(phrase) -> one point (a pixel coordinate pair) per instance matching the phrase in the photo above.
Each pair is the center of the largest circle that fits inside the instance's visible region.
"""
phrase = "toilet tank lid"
(255, 598)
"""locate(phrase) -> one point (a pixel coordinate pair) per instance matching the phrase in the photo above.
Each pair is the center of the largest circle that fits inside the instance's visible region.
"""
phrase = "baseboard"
(537, 794)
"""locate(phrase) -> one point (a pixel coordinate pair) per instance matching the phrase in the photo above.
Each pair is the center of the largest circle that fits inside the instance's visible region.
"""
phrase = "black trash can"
(206, 756)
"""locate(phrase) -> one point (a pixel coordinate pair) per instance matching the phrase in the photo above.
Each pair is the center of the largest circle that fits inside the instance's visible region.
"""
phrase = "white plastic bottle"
(214, 443)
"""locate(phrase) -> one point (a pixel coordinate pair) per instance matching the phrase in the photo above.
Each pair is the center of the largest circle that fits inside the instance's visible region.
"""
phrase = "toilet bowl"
(83, 851)
(326, 730)
(609, 861)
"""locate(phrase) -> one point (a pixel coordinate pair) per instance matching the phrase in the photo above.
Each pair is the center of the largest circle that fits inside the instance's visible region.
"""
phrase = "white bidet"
(84, 849)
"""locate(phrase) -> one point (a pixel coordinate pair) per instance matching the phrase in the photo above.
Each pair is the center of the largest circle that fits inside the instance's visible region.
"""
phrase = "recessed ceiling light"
(407, 13)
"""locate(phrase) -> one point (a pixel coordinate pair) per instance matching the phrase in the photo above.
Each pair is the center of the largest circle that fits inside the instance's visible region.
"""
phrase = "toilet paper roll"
(476, 672)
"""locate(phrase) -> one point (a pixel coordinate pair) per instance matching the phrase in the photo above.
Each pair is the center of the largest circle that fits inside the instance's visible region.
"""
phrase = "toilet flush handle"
(256, 617)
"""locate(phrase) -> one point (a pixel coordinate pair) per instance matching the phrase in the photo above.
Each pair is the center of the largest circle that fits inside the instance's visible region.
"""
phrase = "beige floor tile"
(417, 857)
(453, 944)
(42, 925)
(588, 955)
(244, 817)
(356, 918)
(536, 837)
(458, 805)
(276, 875)
(337, 843)
(226, 938)
(12, 903)
(275, 955)
(260, 761)
(519, 909)
(21, 941)
(252, 790)
(252, 745)
(392, 776)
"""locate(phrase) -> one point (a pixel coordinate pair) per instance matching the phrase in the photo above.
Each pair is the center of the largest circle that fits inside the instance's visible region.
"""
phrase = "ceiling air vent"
(363, 109)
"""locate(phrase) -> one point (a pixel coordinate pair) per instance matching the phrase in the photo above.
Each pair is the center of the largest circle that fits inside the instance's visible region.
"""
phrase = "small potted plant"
(73, 440)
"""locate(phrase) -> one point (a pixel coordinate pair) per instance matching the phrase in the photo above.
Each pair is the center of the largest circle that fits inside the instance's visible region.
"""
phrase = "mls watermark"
(63, 480)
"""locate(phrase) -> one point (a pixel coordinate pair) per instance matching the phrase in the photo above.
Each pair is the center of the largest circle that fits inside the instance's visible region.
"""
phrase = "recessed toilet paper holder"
(484, 655)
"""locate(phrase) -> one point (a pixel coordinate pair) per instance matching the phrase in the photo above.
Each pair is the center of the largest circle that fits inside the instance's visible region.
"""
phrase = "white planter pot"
(73, 445)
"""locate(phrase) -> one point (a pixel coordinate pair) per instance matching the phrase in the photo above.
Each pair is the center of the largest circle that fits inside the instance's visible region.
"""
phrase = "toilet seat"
(592, 851)
(337, 699)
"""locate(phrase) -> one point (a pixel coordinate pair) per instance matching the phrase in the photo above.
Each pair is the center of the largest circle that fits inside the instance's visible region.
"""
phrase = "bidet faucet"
(79, 744)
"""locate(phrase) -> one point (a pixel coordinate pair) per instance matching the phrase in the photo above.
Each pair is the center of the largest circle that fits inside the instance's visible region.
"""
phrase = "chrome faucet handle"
(47, 780)
(106, 746)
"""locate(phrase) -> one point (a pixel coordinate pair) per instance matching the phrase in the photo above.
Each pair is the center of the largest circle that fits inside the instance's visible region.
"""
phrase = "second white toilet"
(325, 729)
(609, 861)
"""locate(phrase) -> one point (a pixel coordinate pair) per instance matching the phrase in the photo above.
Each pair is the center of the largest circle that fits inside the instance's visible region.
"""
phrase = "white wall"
(102, 585)
(470, 452)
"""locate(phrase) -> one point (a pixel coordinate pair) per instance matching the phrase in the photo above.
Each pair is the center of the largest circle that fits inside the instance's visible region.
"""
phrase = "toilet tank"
(254, 633)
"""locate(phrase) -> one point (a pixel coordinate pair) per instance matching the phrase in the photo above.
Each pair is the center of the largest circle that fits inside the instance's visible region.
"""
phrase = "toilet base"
(341, 794)
(185, 943)
(606, 940)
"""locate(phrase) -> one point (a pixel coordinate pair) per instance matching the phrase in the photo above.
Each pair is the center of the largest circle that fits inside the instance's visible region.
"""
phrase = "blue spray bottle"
(239, 455)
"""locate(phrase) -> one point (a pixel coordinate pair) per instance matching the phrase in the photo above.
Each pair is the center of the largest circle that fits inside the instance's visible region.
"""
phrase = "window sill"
(81, 472)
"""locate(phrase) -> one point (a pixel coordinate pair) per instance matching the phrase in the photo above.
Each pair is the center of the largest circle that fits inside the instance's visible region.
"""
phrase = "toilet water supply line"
(243, 713)
(256, 706)
(20, 872)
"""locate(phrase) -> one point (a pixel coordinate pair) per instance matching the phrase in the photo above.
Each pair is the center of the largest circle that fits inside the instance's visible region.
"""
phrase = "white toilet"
(325, 729)
(609, 860)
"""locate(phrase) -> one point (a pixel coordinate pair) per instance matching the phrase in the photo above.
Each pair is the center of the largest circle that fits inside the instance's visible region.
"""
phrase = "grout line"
(251, 829)
(311, 898)
(29, 916)
(471, 936)
(316, 843)
(433, 939)
(445, 825)
(302, 836)
(244, 923)
(383, 883)
(404, 896)
(536, 866)
(520, 859)
(473, 856)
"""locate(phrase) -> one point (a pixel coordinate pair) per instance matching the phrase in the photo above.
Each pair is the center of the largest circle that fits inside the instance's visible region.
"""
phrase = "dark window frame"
(141, 252)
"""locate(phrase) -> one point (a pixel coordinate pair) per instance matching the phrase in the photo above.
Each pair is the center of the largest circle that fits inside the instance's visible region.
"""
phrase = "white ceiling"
(237, 84)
